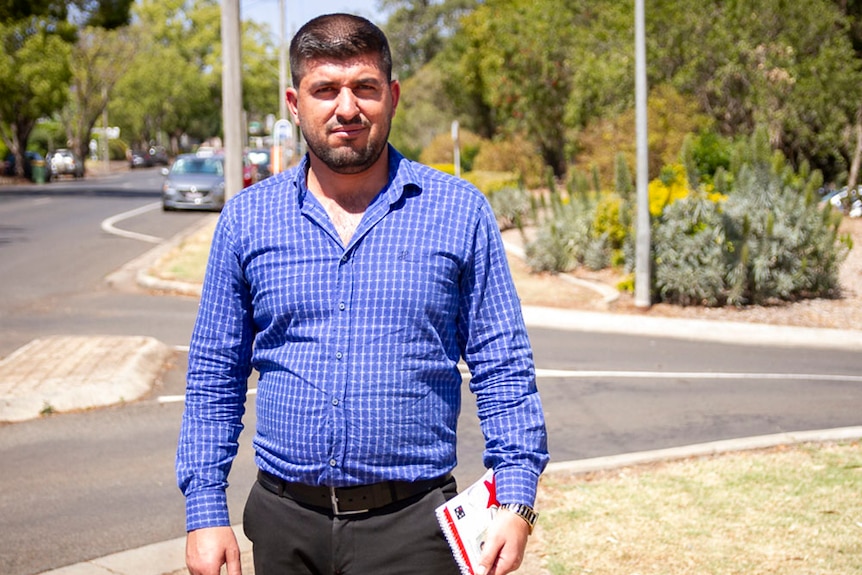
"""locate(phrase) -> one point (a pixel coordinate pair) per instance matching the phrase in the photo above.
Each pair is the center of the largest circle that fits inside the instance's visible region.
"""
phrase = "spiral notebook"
(465, 520)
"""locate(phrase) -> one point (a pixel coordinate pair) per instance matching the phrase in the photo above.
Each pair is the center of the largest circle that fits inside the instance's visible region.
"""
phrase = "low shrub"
(767, 242)
(512, 207)
(491, 182)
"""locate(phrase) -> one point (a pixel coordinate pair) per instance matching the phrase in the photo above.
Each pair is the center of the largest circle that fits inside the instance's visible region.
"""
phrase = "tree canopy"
(550, 69)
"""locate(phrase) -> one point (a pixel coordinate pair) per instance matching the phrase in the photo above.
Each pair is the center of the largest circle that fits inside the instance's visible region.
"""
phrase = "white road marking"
(108, 224)
(561, 374)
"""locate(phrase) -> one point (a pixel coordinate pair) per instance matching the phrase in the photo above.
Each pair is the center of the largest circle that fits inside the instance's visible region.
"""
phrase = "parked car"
(139, 159)
(248, 172)
(159, 156)
(30, 158)
(261, 162)
(194, 182)
(65, 162)
(148, 158)
(851, 199)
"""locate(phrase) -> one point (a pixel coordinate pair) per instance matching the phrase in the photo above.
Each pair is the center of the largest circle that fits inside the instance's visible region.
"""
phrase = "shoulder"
(263, 199)
(437, 184)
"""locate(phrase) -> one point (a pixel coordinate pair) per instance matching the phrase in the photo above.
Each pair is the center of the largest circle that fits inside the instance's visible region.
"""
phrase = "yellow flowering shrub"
(670, 186)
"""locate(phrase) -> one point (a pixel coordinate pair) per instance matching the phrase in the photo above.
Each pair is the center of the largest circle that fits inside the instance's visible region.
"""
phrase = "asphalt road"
(83, 485)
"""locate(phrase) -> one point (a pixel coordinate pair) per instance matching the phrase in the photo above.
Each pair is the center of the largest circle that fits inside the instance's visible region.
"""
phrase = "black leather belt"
(349, 500)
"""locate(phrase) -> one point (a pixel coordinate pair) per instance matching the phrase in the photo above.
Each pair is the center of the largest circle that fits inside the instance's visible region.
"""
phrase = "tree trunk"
(857, 154)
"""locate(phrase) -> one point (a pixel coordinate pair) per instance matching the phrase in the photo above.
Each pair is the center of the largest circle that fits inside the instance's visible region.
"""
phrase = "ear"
(395, 89)
(292, 100)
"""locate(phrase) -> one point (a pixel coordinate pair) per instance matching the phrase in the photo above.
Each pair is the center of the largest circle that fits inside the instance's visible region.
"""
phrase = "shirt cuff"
(516, 485)
(206, 509)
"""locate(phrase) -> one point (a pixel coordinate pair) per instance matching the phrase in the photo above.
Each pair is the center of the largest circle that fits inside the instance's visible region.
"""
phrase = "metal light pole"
(231, 88)
(642, 246)
(456, 143)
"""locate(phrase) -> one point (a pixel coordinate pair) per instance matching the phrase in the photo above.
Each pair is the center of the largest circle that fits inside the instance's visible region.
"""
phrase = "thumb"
(233, 561)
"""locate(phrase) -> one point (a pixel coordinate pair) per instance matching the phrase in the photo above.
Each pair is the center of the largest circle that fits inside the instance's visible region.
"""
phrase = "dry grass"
(791, 510)
(187, 261)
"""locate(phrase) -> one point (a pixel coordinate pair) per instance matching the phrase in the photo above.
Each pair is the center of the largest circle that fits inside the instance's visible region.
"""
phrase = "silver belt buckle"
(336, 511)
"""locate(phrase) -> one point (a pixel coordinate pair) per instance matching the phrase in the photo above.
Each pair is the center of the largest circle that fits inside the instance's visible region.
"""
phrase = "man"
(354, 284)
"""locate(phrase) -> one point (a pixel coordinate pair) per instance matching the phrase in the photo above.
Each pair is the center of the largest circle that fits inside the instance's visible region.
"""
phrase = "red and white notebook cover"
(465, 520)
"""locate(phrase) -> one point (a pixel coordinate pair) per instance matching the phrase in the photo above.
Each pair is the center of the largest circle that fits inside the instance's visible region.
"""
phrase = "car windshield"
(210, 166)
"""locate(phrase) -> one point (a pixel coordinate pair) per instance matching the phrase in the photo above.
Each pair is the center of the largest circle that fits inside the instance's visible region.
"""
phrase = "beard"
(350, 158)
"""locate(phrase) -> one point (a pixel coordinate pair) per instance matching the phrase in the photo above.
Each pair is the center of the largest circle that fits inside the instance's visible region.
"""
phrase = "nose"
(346, 104)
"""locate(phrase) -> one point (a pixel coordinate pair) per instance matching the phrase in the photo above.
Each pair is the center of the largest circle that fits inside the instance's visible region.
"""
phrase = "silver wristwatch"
(523, 511)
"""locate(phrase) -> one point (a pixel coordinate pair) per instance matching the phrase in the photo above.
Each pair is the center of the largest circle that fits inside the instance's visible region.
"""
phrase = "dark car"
(139, 159)
(30, 158)
(194, 182)
(153, 156)
(159, 156)
(65, 162)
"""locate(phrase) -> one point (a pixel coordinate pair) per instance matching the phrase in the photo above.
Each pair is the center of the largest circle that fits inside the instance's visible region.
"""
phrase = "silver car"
(194, 182)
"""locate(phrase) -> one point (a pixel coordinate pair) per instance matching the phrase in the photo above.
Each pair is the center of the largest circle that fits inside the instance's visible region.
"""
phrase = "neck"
(353, 192)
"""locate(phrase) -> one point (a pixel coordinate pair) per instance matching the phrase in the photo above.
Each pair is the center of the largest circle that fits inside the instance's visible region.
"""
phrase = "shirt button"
(338, 355)
(332, 463)
(341, 306)
(335, 401)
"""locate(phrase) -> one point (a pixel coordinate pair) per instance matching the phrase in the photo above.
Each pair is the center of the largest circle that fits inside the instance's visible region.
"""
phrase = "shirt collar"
(402, 177)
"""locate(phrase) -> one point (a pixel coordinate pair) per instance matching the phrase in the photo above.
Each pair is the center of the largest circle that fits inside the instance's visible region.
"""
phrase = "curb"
(137, 271)
(693, 329)
(703, 450)
(168, 557)
(70, 373)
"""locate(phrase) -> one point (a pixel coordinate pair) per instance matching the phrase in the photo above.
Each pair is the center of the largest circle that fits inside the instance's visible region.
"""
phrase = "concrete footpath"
(67, 373)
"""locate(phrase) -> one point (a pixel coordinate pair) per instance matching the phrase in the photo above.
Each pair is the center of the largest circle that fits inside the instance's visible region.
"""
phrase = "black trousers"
(402, 538)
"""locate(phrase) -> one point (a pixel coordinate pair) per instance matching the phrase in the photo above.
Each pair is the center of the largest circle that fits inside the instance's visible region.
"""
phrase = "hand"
(208, 549)
(504, 544)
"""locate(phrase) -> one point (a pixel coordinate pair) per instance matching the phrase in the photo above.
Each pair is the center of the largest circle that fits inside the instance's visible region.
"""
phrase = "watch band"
(523, 511)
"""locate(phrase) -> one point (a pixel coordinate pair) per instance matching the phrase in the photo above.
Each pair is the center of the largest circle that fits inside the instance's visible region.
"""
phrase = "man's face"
(345, 110)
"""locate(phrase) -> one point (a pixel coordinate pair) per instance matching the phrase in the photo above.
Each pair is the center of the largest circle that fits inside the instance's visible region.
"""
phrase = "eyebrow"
(360, 81)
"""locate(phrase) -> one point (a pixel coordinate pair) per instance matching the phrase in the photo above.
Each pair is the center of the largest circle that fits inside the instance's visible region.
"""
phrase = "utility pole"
(643, 281)
(231, 89)
(282, 62)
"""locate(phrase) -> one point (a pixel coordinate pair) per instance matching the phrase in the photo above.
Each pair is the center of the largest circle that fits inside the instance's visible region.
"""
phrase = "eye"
(366, 90)
(325, 92)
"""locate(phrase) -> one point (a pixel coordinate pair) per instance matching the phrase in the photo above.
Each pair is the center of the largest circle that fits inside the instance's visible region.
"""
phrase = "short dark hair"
(337, 37)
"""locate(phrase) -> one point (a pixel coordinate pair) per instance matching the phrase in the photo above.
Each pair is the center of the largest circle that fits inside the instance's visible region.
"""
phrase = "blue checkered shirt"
(357, 346)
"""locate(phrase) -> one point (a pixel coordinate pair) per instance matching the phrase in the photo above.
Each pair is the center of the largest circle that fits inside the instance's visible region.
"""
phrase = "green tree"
(259, 72)
(31, 84)
(173, 84)
(419, 29)
(852, 10)
(541, 68)
(35, 70)
(787, 66)
(422, 114)
(99, 59)
(522, 52)
(108, 14)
